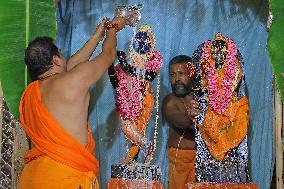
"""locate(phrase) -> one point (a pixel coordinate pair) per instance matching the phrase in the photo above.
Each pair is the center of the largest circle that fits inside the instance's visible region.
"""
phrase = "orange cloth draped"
(143, 120)
(181, 167)
(118, 183)
(46, 173)
(51, 140)
(224, 132)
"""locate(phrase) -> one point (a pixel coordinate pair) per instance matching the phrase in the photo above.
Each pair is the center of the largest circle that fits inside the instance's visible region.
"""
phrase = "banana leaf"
(276, 42)
(20, 22)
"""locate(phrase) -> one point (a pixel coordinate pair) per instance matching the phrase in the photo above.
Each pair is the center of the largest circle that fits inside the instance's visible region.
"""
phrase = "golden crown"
(219, 36)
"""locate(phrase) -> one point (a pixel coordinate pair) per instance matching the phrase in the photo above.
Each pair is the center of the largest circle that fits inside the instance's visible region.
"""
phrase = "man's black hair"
(38, 56)
(180, 59)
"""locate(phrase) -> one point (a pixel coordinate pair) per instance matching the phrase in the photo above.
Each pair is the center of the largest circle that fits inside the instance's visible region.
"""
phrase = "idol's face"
(180, 80)
(142, 42)
(219, 51)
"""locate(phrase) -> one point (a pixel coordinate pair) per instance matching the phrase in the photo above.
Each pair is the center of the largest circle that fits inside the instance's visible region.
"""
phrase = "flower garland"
(154, 63)
(128, 102)
(219, 101)
(157, 118)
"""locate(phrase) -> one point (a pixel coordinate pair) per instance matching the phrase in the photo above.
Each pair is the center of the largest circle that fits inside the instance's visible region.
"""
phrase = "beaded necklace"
(47, 76)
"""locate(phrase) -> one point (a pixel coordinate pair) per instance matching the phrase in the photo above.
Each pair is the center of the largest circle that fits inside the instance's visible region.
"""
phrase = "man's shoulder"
(169, 101)
(168, 98)
(60, 88)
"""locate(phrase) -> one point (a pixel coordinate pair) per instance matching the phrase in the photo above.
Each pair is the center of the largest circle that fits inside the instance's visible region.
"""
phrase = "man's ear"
(56, 60)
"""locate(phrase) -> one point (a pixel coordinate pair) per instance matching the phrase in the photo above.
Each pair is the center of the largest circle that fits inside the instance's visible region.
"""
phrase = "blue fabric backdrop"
(180, 26)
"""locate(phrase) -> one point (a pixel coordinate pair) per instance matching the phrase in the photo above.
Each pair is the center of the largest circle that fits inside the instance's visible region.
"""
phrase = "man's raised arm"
(84, 54)
(85, 75)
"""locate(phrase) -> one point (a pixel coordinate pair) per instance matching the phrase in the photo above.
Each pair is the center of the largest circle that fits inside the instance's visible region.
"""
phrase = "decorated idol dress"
(132, 80)
(221, 131)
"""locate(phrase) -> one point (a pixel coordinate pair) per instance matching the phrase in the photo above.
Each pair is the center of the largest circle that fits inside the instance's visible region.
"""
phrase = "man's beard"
(181, 89)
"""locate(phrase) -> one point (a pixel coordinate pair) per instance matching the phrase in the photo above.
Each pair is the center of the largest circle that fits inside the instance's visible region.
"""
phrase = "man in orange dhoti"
(179, 109)
(54, 111)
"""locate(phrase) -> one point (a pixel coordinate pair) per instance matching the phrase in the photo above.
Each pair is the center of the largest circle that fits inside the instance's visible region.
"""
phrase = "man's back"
(68, 106)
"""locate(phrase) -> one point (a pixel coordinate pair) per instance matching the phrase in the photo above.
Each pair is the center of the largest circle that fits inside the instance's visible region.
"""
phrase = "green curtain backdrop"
(20, 22)
(276, 42)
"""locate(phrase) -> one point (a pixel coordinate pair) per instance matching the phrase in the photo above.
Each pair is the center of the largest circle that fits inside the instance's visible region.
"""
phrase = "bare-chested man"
(180, 109)
(54, 110)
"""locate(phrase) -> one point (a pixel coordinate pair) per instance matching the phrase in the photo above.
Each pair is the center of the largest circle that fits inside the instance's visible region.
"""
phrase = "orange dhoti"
(44, 172)
(181, 167)
(58, 160)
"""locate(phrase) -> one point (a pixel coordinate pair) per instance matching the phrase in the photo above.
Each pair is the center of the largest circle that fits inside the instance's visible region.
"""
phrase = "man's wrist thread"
(112, 26)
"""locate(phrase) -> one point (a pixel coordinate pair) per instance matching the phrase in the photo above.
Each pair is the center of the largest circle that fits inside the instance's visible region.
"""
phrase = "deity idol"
(221, 132)
(132, 80)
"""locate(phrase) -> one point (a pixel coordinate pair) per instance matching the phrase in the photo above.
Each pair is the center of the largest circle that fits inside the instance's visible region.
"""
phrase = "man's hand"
(192, 107)
(100, 30)
(119, 23)
(84, 54)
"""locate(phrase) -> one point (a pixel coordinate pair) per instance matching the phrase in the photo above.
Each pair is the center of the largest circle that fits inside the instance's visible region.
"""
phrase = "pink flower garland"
(154, 63)
(219, 102)
(128, 98)
(127, 103)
